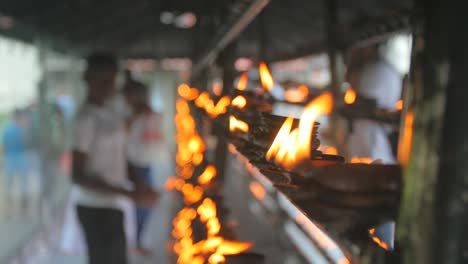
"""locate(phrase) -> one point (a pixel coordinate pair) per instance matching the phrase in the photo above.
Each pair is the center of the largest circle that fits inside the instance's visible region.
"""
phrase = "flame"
(399, 105)
(232, 247)
(377, 240)
(239, 102)
(265, 76)
(291, 147)
(216, 259)
(320, 105)
(280, 137)
(350, 96)
(364, 160)
(202, 99)
(257, 190)
(404, 146)
(237, 125)
(297, 95)
(195, 144)
(208, 174)
(329, 150)
(186, 92)
(242, 83)
(190, 150)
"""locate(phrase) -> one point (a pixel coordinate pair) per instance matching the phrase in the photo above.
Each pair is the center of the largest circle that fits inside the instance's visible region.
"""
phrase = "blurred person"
(15, 157)
(100, 173)
(144, 136)
(374, 77)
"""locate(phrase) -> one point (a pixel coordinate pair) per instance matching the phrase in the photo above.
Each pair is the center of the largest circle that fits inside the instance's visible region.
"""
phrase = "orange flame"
(350, 96)
(329, 150)
(399, 105)
(186, 92)
(237, 125)
(404, 146)
(377, 240)
(242, 83)
(202, 99)
(364, 160)
(291, 147)
(239, 102)
(297, 95)
(280, 137)
(320, 105)
(265, 76)
(208, 174)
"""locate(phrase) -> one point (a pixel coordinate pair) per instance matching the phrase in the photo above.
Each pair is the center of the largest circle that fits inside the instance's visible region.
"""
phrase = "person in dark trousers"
(105, 183)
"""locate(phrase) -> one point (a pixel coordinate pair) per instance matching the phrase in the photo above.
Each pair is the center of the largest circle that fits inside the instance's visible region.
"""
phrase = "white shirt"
(100, 133)
(382, 82)
(144, 138)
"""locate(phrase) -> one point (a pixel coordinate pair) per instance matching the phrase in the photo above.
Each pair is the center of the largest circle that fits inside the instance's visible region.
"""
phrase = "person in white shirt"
(104, 183)
(143, 141)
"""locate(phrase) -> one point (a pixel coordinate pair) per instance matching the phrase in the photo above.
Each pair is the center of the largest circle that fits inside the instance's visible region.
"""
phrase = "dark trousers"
(104, 233)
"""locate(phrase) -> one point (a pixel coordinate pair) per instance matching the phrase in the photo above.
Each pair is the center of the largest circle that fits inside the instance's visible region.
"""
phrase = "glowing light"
(399, 105)
(350, 96)
(257, 190)
(297, 95)
(292, 147)
(208, 174)
(239, 102)
(377, 240)
(242, 83)
(265, 76)
(363, 160)
(237, 125)
(328, 150)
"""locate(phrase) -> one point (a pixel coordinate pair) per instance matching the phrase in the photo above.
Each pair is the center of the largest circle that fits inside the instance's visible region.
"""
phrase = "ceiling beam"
(228, 33)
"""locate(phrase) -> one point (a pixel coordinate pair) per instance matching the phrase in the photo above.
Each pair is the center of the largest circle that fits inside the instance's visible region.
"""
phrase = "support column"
(227, 60)
(423, 231)
(336, 68)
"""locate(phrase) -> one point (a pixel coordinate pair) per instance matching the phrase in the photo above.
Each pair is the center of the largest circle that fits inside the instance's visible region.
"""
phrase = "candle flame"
(377, 240)
(399, 105)
(297, 95)
(350, 96)
(208, 174)
(293, 146)
(328, 150)
(242, 83)
(363, 160)
(237, 125)
(265, 77)
(186, 92)
(239, 102)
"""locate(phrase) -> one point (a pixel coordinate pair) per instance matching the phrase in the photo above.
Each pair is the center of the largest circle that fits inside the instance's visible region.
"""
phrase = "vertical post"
(226, 59)
(333, 56)
(451, 202)
(417, 230)
(335, 66)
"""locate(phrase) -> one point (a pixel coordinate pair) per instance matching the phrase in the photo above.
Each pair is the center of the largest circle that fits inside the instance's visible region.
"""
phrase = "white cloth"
(382, 82)
(100, 134)
(144, 139)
